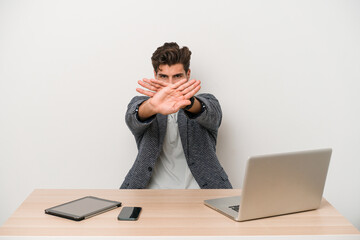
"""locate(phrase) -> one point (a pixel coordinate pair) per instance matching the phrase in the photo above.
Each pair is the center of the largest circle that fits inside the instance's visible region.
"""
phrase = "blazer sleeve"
(136, 126)
(210, 115)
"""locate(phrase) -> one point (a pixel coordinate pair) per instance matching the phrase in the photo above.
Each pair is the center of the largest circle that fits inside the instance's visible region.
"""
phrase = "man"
(175, 131)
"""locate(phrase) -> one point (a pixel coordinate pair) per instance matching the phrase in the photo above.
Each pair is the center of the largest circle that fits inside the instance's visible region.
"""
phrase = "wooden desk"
(167, 213)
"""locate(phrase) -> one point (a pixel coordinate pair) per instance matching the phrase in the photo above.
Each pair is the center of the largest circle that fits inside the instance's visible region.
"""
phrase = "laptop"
(278, 184)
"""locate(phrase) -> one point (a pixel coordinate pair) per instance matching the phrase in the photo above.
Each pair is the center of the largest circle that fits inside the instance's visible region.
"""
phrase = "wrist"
(150, 107)
(146, 110)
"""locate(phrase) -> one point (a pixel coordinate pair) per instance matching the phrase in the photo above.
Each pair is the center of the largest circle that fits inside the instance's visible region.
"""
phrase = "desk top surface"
(165, 213)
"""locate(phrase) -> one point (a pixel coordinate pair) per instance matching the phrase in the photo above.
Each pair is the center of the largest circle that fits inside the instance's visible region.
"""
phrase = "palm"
(166, 98)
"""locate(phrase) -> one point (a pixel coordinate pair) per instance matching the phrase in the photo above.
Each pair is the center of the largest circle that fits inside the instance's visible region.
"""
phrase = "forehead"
(170, 70)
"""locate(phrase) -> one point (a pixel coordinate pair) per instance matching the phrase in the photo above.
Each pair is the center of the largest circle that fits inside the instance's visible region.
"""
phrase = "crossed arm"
(167, 98)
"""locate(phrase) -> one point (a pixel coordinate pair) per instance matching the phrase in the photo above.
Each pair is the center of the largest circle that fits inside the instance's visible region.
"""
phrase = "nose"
(172, 80)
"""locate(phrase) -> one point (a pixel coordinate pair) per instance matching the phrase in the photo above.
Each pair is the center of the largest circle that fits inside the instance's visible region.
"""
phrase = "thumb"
(182, 103)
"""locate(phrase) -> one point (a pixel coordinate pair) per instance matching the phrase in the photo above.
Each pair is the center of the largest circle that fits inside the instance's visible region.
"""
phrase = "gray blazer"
(198, 135)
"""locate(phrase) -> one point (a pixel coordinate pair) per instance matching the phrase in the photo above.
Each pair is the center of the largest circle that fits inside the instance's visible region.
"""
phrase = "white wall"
(286, 73)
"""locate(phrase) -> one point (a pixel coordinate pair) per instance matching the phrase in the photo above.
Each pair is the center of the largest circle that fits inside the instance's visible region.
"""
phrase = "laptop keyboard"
(235, 208)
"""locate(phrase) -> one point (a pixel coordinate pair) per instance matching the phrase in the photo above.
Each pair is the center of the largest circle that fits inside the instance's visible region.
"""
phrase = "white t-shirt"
(171, 169)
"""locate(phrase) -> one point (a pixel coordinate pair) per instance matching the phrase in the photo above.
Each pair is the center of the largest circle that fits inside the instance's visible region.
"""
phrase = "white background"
(285, 72)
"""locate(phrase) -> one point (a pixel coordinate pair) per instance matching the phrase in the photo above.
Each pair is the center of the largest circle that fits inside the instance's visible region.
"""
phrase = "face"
(172, 74)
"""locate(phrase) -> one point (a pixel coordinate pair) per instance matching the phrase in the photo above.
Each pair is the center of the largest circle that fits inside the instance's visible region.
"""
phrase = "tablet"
(83, 208)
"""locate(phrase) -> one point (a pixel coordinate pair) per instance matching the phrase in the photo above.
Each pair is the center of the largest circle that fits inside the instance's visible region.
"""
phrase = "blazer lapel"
(162, 122)
(182, 123)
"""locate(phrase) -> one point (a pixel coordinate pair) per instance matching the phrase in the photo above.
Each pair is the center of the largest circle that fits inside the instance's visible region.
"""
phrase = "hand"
(167, 98)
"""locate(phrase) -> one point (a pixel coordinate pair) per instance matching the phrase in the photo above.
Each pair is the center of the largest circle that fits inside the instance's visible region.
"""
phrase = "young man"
(175, 131)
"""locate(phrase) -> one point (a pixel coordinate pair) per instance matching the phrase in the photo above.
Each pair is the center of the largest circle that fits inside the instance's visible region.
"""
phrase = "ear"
(154, 74)
(188, 74)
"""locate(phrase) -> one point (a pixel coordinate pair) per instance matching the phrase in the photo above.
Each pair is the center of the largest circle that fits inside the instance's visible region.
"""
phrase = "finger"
(144, 92)
(182, 104)
(150, 81)
(161, 83)
(186, 85)
(188, 88)
(192, 93)
(148, 86)
(178, 84)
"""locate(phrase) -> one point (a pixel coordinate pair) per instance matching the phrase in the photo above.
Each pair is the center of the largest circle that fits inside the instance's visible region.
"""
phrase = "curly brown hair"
(170, 54)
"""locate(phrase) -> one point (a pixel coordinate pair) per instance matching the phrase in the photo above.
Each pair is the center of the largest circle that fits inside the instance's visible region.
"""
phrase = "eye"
(178, 76)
